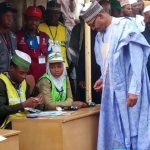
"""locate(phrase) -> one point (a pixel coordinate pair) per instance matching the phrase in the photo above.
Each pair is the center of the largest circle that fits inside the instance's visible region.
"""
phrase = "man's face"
(147, 19)
(32, 23)
(56, 69)
(7, 20)
(135, 8)
(141, 5)
(98, 23)
(53, 17)
(18, 73)
(127, 11)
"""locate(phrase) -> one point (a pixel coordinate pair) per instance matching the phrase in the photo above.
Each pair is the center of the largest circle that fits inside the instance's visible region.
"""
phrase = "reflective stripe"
(58, 43)
(16, 100)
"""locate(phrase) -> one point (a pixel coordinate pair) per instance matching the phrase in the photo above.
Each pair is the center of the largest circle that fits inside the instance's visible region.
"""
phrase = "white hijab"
(58, 82)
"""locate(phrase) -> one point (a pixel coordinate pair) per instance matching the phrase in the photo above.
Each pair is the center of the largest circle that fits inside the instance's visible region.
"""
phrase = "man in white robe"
(122, 52)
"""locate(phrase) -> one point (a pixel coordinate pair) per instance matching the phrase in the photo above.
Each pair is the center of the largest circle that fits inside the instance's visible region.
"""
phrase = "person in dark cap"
(34, 42)
(7, 38)
(58, 33)
(56, 30)
(115, 8)
(122, 53)
(14, 90)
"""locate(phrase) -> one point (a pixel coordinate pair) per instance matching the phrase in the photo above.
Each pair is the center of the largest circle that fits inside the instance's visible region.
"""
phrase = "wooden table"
(12, 141)
(77, 131)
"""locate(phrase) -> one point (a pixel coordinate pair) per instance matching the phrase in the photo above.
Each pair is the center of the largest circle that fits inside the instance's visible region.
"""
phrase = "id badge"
(42, 60)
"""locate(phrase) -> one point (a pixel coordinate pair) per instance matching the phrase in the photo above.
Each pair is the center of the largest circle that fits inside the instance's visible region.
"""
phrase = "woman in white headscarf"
(55, 85)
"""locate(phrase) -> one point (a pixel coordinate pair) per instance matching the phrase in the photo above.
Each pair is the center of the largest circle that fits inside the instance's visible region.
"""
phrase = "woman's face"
(56, 69)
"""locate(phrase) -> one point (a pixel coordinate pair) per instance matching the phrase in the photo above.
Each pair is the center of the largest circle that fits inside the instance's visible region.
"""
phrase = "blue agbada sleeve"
(136, 56)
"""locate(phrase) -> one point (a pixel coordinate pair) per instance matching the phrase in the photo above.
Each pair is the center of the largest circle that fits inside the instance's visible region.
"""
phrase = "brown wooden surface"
(146, 3)
(7, 133)
(77, 131)
(12, 141)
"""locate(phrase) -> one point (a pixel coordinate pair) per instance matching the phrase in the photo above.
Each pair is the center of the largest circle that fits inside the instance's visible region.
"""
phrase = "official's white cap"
(21, 59)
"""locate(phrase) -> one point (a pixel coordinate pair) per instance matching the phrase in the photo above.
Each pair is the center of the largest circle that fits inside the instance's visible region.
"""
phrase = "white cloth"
(139, 21)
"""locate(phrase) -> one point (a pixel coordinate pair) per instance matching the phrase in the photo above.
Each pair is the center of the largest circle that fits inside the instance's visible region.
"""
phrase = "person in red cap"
(34, 42)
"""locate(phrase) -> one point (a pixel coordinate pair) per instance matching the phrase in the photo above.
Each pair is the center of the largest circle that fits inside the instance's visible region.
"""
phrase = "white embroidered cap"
(90, 10)
(21, 59)
(124, 2)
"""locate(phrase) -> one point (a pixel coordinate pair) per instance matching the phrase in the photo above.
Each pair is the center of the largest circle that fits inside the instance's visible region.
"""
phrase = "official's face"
(18, 73)
(56, 69)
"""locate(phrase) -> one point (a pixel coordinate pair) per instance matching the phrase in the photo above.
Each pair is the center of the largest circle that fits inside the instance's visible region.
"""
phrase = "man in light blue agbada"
(122, 53)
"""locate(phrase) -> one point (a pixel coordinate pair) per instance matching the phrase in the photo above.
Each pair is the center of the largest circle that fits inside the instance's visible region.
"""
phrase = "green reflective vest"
(57, 96)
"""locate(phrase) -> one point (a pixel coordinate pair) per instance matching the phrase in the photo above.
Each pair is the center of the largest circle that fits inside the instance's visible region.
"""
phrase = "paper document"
(51, 113)
(2, 138)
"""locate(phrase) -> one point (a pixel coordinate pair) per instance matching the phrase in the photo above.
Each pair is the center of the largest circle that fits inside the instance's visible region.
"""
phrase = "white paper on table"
(2, 138)
(51, 113)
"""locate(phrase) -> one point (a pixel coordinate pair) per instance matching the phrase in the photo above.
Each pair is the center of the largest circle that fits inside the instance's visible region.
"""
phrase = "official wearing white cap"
(14, 90)
(21, 59)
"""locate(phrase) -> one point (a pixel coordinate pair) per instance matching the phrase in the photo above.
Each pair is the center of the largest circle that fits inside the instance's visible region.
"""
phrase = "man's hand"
(131, 100)
(98, 85)
(32, 102)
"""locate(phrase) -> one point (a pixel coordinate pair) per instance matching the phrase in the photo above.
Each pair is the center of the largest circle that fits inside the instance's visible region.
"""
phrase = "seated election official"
(55, 85)
(14, 90)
